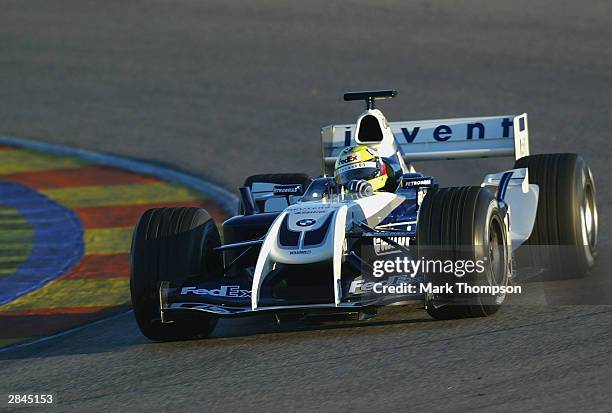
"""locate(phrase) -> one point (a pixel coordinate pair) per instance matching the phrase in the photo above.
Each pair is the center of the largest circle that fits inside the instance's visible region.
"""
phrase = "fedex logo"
(350, 158)
(223, 291)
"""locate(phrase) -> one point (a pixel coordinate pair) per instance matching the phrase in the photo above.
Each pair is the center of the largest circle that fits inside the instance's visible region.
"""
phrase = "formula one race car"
(309, 246)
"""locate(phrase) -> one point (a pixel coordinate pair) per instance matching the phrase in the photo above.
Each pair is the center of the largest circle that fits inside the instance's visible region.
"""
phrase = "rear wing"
(440, 139)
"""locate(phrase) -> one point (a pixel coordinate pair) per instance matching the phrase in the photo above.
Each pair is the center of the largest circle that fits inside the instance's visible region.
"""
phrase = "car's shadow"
(121, 333)
(269, 324)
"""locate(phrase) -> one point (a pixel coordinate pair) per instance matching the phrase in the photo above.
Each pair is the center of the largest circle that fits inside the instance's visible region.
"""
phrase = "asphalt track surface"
(224, 90)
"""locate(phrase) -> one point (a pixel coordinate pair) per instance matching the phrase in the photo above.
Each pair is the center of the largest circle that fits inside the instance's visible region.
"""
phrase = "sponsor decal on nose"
(306, 222)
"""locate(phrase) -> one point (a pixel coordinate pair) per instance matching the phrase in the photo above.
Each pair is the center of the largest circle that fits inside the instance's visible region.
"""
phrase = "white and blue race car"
(311, 247)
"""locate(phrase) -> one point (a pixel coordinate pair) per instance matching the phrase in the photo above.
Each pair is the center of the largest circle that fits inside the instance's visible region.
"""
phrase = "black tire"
(172, 244)
(563, 241)
(464, 224)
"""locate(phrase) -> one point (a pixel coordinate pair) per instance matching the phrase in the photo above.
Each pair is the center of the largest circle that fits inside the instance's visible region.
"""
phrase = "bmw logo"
(305, 222)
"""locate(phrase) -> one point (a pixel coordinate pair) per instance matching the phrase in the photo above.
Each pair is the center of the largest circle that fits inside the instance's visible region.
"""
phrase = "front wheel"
(172, 244)
(458, 226)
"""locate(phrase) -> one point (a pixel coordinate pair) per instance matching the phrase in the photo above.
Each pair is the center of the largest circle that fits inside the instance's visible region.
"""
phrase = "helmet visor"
(359, 170)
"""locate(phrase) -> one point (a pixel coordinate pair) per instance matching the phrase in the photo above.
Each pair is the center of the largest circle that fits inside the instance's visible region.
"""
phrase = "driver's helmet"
(360, 163)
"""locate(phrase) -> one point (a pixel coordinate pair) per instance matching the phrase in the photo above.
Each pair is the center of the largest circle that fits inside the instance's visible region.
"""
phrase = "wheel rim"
(588, 215)
(496, 253)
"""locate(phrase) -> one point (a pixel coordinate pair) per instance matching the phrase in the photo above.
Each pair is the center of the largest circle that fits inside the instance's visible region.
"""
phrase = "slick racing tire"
(461, 225)
(172, 244)
(563, 241)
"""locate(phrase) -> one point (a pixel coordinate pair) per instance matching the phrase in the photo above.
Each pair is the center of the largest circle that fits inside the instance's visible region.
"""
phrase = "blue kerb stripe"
(56, 247)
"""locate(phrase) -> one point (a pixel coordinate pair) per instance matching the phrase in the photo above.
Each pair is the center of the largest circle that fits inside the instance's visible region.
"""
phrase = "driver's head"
(360, 163)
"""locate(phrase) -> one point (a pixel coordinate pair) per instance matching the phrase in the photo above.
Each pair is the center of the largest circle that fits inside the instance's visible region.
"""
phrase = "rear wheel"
(462, 225)
(172, 244)
(564, 237)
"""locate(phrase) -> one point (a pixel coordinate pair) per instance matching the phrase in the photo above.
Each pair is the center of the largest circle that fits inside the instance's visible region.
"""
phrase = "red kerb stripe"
(84, 176)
